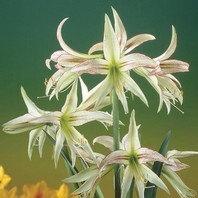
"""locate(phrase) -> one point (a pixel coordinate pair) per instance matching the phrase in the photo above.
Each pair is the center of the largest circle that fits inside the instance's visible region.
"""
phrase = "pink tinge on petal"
(54, 57)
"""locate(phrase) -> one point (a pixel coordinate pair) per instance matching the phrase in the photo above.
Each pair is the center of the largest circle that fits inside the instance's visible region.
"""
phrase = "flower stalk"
(116, 138)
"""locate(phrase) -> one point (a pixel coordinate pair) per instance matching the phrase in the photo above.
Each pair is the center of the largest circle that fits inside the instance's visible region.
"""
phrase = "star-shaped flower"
(134, 159)
(60, 125)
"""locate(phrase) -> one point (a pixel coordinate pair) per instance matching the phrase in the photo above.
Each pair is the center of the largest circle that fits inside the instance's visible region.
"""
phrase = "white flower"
(60, 125)
(169, 172)
(134, 158)
(166, 85)
(116, 64)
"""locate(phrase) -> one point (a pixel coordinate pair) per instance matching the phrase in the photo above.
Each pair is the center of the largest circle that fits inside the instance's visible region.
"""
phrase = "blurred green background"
(28, 37)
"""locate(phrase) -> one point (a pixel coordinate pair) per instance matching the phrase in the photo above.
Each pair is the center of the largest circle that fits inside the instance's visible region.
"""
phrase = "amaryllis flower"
(116, 64)
(64, 60)
(169, 172)
(60, 125)
(166, 85)
(134, 159)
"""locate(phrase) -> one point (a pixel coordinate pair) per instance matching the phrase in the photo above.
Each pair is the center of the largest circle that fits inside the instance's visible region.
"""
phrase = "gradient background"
(28, 37)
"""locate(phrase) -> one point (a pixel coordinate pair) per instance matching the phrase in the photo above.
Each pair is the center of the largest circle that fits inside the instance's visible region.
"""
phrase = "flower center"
(114, 70)
(133, 160)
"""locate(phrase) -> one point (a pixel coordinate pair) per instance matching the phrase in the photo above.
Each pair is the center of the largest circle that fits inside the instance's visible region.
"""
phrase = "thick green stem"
(116, 137)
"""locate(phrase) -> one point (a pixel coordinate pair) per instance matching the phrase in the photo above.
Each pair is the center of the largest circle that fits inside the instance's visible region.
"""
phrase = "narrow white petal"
(178, 184)
(136, 41)
(111, 46)
(53, 80)
(140, 187)
(81, 117)
(115, 157)
(82, 175)
(33, 137)
(66, 47)
(71, 100)
(95, 66)
(180, 154)
(60, 138)
(106, 141)
(134, 60)
(42, 139)
(173, 66)
(119, 30)
(132, 86)
(171, 48)
(95, 48)
(127, 180)
(97, 95)
(64, 81)
(84, 89)
(32, 108)
(121, 96)
(20, 124)
(153, 178)
(133, 142)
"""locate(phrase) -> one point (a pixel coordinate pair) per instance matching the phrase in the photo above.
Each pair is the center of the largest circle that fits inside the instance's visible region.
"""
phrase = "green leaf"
(151, 189)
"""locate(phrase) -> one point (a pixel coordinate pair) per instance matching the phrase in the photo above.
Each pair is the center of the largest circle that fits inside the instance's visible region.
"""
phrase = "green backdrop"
(28, 37)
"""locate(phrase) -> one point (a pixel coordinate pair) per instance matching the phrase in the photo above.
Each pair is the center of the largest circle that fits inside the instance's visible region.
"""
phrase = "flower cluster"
(114, 59)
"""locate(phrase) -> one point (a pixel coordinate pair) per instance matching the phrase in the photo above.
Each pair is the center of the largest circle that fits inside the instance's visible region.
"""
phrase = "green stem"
(116, 137)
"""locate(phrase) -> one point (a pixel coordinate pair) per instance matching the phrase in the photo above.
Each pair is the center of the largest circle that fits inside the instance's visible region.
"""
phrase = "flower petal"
(95, 48)
(180, 154)
(66, 47)
(106, 141)
(177, 183)
(33, 137)
(20, 124)
(53, 80)
(173, 66)
(121, 96)
(126, 181)
(82, 175)
(171, 48)
(111, 46)
(119, 30)
(153, 178)
(97, 95)
(136, 41)
(81, 117)
(95, 66)
(60, 138)
(83, 88)
(132, 142)
(131, 85)
(71, 100)
(135, 60)
(32, 108)
(64, 81)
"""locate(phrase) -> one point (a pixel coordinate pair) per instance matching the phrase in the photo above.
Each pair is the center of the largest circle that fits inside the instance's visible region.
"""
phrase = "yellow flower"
(64, 192)
(4, 179)
(8, 193)
(39, 190)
